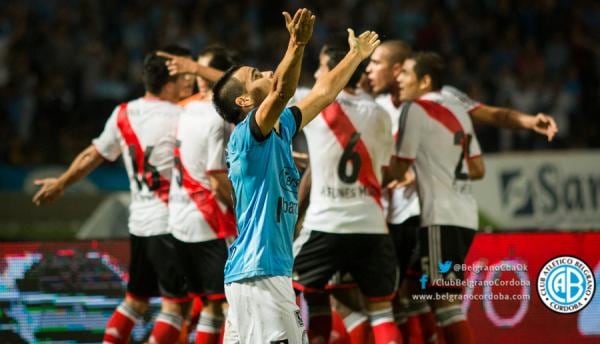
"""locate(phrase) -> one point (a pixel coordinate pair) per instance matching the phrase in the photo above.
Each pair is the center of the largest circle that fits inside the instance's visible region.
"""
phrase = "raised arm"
(513, 119)
(53, 188)
(285, 78)
(185, 65)
(327, 87)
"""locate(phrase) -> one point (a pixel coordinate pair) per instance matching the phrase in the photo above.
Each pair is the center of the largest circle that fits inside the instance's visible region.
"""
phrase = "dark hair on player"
(336, 55)
(397, 50)
(155, 74)
(336, 49)
(225, 91)
(221, 57)
(432, 64)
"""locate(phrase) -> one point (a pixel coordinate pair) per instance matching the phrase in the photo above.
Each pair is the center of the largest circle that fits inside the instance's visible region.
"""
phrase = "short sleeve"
(410, 131)
(108, 144)
(463, 99)
(385, 133)
(216, 148)
(289, 122)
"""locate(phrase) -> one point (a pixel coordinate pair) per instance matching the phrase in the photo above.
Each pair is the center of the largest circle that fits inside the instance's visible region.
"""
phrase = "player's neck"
(162, 96)
(350, 90)
(395, 96)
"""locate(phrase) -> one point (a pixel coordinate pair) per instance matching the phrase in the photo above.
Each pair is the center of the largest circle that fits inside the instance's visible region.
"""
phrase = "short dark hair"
(225, 91)
(398, 50)
(155, 74)
(432, 64)
(221, 58)
(336, 54)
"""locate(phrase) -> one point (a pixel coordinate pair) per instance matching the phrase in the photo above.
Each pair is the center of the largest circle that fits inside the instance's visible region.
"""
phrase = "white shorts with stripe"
(263, 310)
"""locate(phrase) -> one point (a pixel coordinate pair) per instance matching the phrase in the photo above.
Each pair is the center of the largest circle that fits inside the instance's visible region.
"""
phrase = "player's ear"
(396, 69)
(425, 83)
(244, 101)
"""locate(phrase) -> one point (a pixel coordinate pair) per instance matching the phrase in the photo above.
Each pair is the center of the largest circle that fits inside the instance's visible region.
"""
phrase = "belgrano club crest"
(566, 284)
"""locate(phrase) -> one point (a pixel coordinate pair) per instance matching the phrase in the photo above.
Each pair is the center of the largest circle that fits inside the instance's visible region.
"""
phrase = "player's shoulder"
(155, 106)
(192, 99)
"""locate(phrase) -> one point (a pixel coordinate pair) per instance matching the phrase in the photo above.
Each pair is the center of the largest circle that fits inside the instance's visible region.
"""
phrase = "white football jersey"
(401, 203)
(437, 133)
(195, 213)
(143, 130)
(348, 143)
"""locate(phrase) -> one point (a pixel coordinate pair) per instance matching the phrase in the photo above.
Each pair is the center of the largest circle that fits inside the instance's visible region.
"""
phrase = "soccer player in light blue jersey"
(258, 272)
(265, 180)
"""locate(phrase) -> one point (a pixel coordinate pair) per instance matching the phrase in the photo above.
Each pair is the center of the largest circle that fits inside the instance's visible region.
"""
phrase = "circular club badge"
(566, 284)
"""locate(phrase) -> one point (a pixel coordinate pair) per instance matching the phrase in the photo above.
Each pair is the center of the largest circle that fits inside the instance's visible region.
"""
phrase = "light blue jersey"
(265, 184)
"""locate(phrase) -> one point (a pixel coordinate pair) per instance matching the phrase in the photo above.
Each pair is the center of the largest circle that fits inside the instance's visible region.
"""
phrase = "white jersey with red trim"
(437, 133)
(195, 213)
(143, 130)
(348, 143)
(401, 203)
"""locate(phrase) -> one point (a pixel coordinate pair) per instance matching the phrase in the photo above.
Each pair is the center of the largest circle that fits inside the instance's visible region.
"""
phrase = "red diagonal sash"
(343, 129)
(222, 223)
(441, 114)
(124, 125)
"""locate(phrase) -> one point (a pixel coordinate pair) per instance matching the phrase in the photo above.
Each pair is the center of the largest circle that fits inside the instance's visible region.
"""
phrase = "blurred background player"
(143, 130)
(344, 228)
(436, 133)
(200, 207)
(402, 201)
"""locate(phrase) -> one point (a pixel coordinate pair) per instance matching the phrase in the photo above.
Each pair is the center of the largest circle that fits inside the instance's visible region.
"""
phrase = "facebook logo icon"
(423, 281)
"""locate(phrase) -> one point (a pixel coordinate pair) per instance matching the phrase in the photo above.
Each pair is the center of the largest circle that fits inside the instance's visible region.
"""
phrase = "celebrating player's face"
(184, 85)
(380, 71)
(408, 82)
(203, 86)
(257, 83)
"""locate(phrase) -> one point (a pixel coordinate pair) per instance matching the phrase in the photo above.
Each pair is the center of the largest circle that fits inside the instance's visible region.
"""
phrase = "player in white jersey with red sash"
(436, 134)
(143, 132)
(344, 227)
(403, 207)
(200, 207)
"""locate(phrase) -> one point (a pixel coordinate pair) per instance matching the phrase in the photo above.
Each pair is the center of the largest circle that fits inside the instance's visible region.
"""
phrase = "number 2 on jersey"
(462, 140)
(349, 155)
(178, 164)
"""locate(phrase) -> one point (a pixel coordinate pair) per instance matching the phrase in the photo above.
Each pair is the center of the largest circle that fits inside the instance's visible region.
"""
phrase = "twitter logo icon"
(444, 266)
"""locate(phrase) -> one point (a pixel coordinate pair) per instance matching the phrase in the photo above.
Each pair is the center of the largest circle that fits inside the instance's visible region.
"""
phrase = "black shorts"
(154, 269)
(404, 236)
(441, 247)
(369, 258)
(203, 264)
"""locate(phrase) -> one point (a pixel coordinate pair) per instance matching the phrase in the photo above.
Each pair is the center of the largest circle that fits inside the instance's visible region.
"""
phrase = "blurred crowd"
(64, 64)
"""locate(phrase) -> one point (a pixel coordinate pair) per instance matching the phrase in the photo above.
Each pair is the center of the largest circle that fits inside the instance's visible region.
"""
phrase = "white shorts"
(263, 310)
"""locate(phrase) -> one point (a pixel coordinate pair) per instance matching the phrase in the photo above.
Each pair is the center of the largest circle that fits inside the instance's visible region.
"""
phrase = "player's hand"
(179, 64)
(410, 179)
(301, 26)
(544, 125)
(51, 190)
(364, 44)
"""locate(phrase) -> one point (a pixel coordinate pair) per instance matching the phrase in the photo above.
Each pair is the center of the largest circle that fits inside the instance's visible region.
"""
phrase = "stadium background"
(65, 64)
